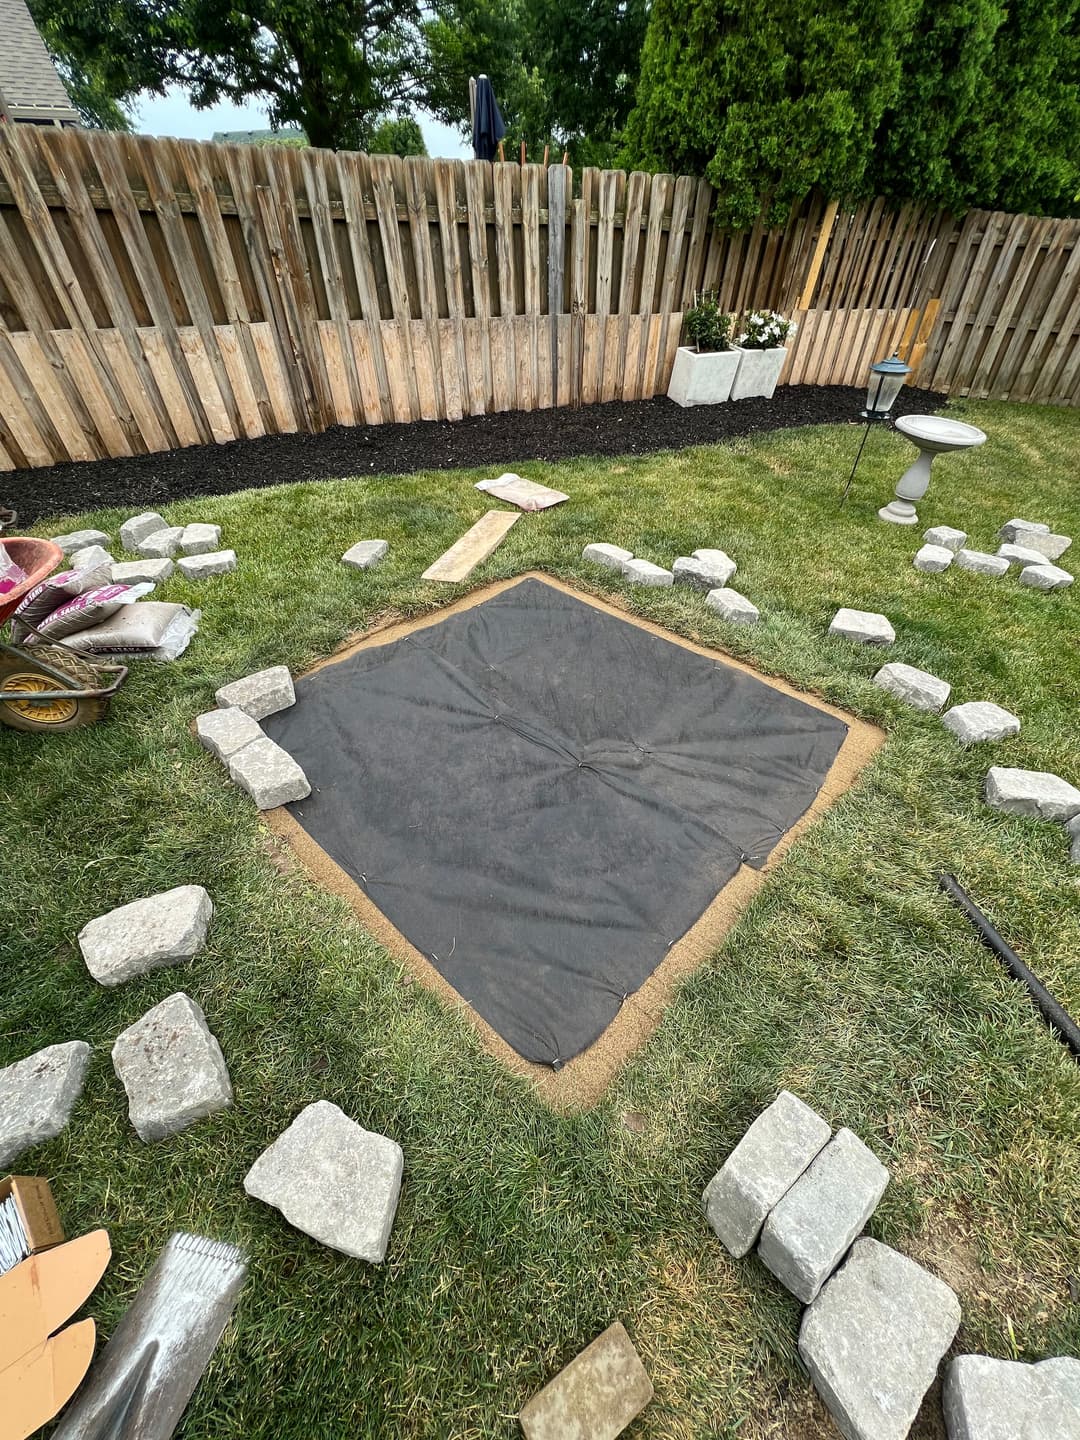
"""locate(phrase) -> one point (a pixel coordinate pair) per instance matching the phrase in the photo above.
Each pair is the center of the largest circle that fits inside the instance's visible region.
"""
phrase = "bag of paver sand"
(154, 629)
(85, 610)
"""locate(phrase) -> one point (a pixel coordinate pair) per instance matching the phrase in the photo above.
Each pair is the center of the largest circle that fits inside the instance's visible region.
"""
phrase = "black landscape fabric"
(543, 798)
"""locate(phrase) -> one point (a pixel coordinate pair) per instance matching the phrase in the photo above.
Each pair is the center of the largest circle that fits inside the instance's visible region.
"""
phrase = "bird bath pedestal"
(934, 435)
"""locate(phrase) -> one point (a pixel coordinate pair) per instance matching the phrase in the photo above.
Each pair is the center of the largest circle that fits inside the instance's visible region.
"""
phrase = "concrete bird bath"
(934, 435)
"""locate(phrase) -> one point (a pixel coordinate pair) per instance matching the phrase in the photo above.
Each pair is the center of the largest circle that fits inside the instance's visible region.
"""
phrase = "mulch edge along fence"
(507, 441)
(157, 294)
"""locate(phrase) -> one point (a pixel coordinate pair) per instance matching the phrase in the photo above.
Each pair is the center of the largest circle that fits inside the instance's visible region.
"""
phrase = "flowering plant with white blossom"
(765, 330)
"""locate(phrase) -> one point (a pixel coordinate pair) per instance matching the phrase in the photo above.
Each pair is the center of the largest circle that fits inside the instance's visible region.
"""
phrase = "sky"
(172, 114)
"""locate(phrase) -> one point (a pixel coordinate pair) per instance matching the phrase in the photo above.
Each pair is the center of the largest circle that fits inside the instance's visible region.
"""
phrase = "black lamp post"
(886, 378)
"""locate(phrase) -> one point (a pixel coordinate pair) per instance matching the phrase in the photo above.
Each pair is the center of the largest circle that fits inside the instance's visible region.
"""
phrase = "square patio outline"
(715, 895)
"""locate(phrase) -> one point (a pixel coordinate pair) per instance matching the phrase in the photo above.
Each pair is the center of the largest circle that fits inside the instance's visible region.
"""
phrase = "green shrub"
(707, 325)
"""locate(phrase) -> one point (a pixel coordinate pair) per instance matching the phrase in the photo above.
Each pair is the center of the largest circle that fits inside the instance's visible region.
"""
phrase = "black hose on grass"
(1048, 1007)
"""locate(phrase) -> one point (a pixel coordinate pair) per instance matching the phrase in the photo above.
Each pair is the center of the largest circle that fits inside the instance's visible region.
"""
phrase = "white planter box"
(759, 371)
(702, 378)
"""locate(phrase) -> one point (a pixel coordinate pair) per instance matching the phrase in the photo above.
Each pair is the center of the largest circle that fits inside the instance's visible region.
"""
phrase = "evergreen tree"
(767, 98)
(988, 109)
(1020, 148)
(953, 102)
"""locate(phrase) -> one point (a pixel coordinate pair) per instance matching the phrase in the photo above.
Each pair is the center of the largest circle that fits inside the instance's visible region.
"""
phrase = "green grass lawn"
(850, 979)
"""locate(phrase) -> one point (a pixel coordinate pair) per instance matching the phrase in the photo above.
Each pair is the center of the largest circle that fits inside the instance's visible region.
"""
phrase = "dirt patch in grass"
(948, 1248)
(636, 428)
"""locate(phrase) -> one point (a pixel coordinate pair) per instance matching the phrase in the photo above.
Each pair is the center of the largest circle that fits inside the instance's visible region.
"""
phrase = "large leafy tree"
(336, 68)
(564, 71)
(332, 67)
(398, 135)
(107, 51)
(590, 51)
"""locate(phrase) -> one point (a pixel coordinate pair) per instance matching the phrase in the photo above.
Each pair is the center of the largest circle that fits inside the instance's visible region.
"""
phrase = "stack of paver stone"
(232, 732)
(877, 1324)
(196, 547)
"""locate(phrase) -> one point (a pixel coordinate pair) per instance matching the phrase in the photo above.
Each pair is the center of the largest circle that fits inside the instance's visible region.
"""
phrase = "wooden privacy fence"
(156, 293)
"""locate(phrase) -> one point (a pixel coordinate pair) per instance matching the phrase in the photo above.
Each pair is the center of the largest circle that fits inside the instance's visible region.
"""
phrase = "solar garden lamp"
(886, 378)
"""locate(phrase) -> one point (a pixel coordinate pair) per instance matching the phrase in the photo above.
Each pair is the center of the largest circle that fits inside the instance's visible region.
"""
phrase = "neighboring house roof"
(30, 88)
(252, 137)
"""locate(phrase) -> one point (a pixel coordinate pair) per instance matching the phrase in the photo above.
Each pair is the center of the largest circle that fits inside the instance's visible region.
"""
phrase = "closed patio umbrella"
(488, 127)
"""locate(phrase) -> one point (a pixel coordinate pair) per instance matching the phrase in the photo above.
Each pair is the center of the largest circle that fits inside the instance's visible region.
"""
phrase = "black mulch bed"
(636, 428)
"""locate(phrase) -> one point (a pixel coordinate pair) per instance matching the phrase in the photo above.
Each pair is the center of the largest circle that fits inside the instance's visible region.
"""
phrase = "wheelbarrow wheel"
(19, 673)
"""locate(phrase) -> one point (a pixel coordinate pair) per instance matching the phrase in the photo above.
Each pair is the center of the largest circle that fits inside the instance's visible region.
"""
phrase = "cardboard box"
(43, 1360)
(37, 1210)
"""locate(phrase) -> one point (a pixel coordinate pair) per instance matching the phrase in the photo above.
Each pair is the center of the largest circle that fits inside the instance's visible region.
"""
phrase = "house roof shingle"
(30, 88)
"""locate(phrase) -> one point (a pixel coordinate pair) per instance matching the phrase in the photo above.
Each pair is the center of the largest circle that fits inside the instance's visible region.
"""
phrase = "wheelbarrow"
(47, 687)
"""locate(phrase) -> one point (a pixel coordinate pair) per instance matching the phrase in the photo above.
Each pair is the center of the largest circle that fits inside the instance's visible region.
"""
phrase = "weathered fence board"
(156, 293)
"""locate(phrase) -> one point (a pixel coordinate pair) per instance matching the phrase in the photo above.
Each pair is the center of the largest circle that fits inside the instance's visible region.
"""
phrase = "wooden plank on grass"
(473, 548)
